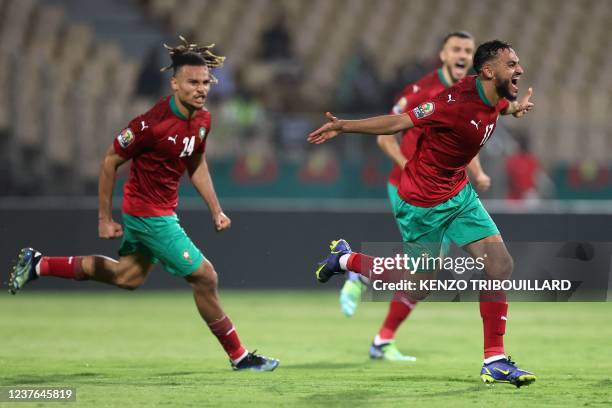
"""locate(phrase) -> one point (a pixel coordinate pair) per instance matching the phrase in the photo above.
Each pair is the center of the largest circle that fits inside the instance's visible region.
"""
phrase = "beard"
(189, 106)
(503, 90)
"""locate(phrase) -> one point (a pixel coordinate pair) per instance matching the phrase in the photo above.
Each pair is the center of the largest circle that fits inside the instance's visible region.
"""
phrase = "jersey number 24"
(189, 143)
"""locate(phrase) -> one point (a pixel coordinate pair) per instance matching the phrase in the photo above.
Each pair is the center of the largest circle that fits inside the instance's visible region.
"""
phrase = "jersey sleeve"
(436, 112)
(203, 134)
(134, 139)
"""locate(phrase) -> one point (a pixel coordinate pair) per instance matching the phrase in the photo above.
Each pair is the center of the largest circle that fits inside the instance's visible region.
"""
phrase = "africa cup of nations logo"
(424, 109)
(125, 138)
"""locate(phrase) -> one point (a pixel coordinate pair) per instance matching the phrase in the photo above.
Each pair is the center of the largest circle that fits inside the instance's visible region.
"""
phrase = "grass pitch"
(151, 349)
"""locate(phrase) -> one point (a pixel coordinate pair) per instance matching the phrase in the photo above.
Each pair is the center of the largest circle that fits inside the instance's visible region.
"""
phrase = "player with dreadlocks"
(162, 143)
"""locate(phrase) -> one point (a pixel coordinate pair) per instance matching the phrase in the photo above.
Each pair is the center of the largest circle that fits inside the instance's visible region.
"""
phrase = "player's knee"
(417, 295)
(205, 277)
(501, 268)
(125, 281)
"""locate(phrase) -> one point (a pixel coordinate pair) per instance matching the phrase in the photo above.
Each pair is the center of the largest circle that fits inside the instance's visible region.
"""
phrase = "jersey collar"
(481, 93)
(175, 109)
(442, 78)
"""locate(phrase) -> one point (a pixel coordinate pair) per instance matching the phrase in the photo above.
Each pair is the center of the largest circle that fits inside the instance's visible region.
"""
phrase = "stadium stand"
(57, 70)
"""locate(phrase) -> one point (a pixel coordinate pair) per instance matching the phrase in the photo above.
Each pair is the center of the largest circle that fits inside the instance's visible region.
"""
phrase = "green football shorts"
(163, 240)
(461, 219)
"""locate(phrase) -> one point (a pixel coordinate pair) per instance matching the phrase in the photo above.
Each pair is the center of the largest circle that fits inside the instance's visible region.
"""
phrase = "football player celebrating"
(434, 199)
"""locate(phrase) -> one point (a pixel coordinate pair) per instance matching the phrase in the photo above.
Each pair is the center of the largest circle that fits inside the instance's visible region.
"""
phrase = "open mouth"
(460, 65)
(514, 81)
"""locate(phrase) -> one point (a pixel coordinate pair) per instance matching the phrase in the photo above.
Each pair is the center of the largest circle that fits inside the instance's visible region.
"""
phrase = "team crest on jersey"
(400, 105)
(202, 133)
(126, 137)
(424, 109)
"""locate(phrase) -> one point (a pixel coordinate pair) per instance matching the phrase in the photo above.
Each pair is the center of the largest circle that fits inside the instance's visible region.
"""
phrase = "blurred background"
(73, 74)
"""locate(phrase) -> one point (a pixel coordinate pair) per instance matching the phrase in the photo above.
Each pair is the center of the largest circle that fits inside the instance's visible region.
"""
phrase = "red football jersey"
(414, 94)
(456, 124)
(159, 142)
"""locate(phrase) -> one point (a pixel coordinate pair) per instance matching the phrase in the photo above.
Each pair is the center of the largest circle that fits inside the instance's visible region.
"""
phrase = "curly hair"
(193, 54)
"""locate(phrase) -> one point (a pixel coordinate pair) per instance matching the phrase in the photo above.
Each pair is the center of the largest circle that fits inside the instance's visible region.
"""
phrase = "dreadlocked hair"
(193, 54)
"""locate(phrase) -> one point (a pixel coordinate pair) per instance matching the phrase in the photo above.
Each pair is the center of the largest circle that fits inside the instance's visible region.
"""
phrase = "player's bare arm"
(389, 145)
(200, 177)
(378, 125)
(481, 179)
(521, 107)
(107, 228)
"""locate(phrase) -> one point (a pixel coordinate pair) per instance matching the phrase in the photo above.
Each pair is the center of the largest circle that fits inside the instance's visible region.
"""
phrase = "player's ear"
(442, 55)
(174, 83)
(487, 71)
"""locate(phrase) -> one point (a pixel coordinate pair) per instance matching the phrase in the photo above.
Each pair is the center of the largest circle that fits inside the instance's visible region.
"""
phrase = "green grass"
(150, 349)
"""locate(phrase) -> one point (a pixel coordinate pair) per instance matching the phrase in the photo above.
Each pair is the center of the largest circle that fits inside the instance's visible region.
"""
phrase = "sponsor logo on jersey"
(187, 257)
(126, 137)
(202, 133)
(400, 105)
(424, 109)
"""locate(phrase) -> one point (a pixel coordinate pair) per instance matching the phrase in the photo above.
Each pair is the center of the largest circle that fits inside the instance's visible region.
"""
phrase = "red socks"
(360, 263)
(225, 332)
(399, 309)
(67, 267)
(364, 265)
(493, 309)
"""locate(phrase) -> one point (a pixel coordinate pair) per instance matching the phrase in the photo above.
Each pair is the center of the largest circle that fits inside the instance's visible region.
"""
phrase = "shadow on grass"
(68, 379)
(419, 378)
(323, 365)
(178, 373)
(92, 378)
(373, 394)
(352, 397)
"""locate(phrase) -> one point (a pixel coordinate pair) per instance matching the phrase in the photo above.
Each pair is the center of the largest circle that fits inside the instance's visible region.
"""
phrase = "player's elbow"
(111, 160)
(107, 164)
(196, 176)
(384, 140)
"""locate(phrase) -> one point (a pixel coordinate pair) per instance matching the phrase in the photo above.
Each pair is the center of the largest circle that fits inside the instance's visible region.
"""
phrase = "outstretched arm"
(521, 107)
(378, 125)
(107, 228)
(200, 177)
(481, 179)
